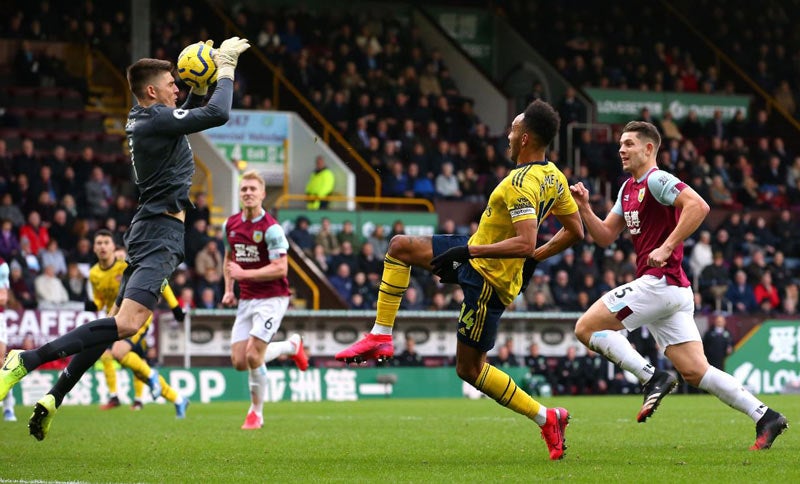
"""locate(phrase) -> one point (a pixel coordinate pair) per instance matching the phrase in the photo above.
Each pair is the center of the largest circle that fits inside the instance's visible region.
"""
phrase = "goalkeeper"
(163, 166)
(104, 279)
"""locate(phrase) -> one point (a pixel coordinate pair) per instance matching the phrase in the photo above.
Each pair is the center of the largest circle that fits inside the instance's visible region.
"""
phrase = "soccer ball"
(196, 68)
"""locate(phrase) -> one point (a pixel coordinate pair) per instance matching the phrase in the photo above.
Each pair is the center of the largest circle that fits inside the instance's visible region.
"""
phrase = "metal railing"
(283, 200)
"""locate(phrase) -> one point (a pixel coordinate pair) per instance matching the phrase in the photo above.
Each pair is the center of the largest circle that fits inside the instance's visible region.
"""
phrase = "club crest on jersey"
(641, 194)
(258, 236)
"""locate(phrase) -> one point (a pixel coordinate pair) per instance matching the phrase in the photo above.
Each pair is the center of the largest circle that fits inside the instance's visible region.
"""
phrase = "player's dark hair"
(542, 122)
(645, 130)
(103, 233)
(142, 72)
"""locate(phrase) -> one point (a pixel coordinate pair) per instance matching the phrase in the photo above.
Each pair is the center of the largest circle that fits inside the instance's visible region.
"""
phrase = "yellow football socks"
(142, 370)
(110, 371)
(167, 391)
(138, 388)
(504, 390)
(394, 282)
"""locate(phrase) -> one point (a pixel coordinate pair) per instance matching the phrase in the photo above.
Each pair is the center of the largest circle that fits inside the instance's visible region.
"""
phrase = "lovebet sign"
(621, 106)
(768, 357)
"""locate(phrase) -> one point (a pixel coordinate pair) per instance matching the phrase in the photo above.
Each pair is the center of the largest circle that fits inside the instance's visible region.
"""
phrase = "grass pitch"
(690, 439)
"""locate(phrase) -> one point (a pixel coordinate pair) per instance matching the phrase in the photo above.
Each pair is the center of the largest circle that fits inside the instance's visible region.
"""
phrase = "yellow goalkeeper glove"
(227, 56)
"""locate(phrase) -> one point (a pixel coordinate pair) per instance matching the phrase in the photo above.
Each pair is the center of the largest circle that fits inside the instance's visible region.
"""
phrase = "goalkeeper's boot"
(300, 358)
(180, 407)
(659, 386)
(113, 402)
(253, 422)
(768, 428)
(12, 371)
(154, 383)
(553, 431)
(372, 347)
(43, 413)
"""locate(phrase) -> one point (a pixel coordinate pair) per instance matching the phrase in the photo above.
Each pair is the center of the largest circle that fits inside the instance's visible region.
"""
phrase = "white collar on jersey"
(263, 212)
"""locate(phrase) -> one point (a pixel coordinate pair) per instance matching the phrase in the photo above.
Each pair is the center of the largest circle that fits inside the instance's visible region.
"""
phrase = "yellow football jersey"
(105, 283)
(530, 191)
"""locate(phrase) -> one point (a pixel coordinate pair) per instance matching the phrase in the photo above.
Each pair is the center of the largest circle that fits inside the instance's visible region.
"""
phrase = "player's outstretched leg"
(660, 385)
(768, 428)
(371, 347)
(13, 371)
(378, 344)
(43, 413)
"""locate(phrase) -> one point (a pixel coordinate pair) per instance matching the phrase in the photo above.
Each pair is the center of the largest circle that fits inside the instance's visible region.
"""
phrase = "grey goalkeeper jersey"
(162, 159)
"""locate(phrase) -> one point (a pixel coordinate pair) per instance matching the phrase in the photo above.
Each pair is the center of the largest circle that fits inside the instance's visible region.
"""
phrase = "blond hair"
(254, 175)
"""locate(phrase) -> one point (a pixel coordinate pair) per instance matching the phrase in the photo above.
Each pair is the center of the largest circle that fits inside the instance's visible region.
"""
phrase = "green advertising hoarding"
(364, 222)
(208, 385)
(621, 106)
(471, 28)
(255, 137)
(768, 358)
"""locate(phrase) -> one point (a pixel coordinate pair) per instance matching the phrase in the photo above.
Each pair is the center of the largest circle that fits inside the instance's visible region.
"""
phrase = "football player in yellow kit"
(105, 277)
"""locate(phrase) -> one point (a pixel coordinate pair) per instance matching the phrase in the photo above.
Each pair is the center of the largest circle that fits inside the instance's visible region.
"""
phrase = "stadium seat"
(68, 120)
(66, 139)
(92, 121)
(22, 97)
(110, 144)
(49, 98)
(44, 119)
(13, 138)
(72, 100)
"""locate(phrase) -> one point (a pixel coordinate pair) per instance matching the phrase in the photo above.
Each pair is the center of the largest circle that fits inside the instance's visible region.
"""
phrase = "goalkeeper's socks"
(74, 371)
(98, 333)
(394, 282)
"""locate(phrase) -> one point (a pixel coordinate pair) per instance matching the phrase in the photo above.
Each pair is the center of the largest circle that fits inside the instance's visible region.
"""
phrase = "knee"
(254, 360)
(583, 331)
(119, 350)
(398, 246)
(467, 372)
(239, 364)
(693, 375)
(127, 327)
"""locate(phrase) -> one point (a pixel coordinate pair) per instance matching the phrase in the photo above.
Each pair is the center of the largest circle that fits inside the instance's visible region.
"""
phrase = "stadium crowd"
(395, 101)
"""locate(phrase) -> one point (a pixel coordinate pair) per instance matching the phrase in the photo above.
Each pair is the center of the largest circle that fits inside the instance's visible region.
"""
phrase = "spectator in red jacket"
(35, 232)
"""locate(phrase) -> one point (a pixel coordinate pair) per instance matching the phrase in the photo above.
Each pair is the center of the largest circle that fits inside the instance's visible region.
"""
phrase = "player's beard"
(513, 152)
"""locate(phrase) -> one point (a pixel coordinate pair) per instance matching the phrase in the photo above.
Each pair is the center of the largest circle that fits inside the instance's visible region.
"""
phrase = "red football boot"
(371, 347)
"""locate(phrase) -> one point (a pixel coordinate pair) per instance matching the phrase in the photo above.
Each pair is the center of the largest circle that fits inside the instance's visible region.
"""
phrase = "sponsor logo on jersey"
(641, 194)
(180, 113)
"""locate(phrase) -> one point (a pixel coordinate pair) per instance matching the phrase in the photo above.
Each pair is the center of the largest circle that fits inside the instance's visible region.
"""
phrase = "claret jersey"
(253, 244)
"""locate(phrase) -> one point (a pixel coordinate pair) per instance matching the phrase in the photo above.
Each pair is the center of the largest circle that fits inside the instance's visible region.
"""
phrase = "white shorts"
(668, 311)
(259, 318)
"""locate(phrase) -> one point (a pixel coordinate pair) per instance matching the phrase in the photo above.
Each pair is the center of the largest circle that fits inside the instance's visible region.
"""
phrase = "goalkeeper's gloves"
(178, 313)
(445, 265)
(89, 306)
(527, 272)
(202, 90)
(227, 55)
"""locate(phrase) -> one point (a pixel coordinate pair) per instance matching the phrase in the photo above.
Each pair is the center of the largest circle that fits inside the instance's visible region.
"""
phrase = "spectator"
(342, 282)
(210, 279)
(53, 256)
(348, 234)
(419, 185)
(320, 184)
(209, 257)
(9, 244)
(369, 263)
(75, 284)
(326, 238)
(208, 298)
(301, 236)
(60, 229)
(570, 373)
(10, 211)
(409, 356)
(447, 183)
(346, 256)
(766, 294)
(98, 193)
(701, 254)
(717, 343)
(320, 258)
(363, 288)
(564, 296)
(395, 183)
(196, 237)
(378, 241)
(21, 287)
(740, 294)
(412, 300)
(35, 233)
(503, 358)
(200, 210)
(49, 289)
(595, 369)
